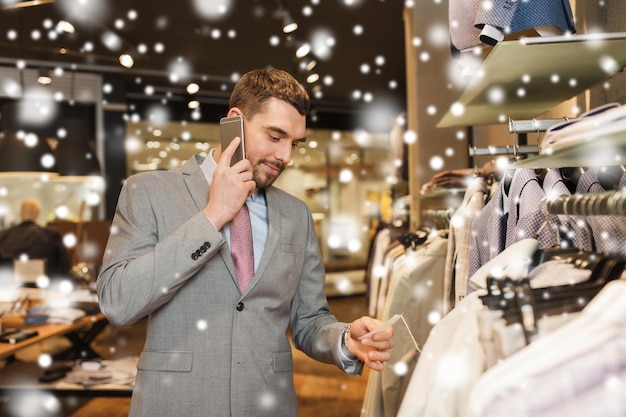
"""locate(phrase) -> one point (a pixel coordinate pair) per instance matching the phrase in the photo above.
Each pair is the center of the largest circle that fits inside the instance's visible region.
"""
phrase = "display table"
(18, 377)
(80, 334)
(23, 377)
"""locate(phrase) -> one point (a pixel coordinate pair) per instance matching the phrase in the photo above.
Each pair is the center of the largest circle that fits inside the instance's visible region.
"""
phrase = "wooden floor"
(323, 390)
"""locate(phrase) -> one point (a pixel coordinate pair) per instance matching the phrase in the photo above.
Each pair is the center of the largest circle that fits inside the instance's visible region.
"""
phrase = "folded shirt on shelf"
(53, 315)
(598, 122)
(118, 372)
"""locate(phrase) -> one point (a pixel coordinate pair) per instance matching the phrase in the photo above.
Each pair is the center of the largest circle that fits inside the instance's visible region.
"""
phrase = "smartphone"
(230, 128)
(20, 335)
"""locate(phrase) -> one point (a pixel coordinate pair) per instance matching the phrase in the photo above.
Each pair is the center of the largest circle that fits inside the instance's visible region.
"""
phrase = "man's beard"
(264, 181)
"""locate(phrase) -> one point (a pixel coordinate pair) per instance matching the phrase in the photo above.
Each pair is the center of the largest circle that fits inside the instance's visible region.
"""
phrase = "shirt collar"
(208, 166)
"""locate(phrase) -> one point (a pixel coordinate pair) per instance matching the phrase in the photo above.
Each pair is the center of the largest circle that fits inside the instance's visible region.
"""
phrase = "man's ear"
(234, 111)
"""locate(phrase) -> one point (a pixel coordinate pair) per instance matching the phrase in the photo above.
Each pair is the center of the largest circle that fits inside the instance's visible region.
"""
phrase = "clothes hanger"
(540, 173)
(570, 176)
(568, 207)
(411, 240)
(507, 176)
(610, 176)
(522, 304)
(519, 303)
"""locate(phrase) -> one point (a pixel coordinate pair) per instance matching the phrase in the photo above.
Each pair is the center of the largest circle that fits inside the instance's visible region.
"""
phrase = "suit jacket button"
(239, 306)
(194, 256)
(207, 245)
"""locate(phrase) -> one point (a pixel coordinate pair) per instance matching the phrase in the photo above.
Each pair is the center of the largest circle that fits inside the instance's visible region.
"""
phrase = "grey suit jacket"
(211, 351)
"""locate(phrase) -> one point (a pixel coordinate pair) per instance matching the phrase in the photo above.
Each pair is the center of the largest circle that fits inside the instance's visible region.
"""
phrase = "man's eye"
(295, 145)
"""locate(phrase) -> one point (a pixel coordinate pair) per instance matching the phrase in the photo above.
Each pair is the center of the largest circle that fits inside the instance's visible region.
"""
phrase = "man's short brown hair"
(255, 87)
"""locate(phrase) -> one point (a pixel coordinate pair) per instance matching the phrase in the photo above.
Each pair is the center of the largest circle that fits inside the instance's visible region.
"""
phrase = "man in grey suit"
(212, 349)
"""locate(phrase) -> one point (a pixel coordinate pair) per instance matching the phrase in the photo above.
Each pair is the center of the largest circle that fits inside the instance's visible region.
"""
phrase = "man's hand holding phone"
(230, 187)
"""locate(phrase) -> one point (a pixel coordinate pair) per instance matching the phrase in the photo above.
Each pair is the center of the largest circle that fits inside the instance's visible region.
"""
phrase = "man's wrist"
(345, 334)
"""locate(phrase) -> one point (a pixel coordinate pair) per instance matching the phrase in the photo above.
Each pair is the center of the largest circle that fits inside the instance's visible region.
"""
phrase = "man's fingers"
(227, 154)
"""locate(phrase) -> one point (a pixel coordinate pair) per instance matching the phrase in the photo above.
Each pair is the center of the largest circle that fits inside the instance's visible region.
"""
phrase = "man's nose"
(285, 151)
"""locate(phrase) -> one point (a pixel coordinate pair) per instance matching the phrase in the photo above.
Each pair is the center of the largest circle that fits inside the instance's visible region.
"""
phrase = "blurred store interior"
(401, 120)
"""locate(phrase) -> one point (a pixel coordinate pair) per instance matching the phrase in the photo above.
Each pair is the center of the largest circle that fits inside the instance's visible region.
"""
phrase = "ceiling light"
(44, 77)
(307, 64)
(127, 61)
(312, 78)
(303, 50)
(23, 4)
(65, 26)
(310, 65)
(193, 88)
(289, 25)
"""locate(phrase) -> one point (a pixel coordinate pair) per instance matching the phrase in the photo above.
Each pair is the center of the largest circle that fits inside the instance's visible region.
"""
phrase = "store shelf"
(548, 70)
(594, 152)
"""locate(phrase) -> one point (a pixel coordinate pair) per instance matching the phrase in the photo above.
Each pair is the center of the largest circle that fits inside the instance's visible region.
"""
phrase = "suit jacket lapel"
(196, 182)
(198, 189)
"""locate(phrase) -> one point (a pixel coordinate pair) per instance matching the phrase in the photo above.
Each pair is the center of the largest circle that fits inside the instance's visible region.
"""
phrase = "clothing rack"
(533, 125)
(589, 204)
(504, 150)
(440, 218)
(521, 127)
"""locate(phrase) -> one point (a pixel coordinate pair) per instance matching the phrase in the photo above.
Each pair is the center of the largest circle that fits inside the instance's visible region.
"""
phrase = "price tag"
(383, 326)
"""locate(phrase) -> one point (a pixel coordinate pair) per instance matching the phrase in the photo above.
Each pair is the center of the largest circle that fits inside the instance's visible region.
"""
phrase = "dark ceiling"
(359, 45)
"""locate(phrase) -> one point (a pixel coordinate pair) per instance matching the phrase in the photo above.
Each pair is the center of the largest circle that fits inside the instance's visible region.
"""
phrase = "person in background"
(216, 346)
(29, 240)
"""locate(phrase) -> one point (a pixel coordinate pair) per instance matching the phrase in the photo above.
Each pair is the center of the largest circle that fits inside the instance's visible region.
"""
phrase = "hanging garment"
(373, 400)
(375, 269)
(557, 272)
(525, 215)
(570, 228)
(578, 369)
(488, 232)
(393, 257)
(516, 259)
(416, 293)
(608, 235)
(588, 183)
(451, 361)
(457, 258)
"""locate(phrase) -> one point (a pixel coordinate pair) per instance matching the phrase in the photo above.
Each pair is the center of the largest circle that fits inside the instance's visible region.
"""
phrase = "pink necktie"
(241, 247)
